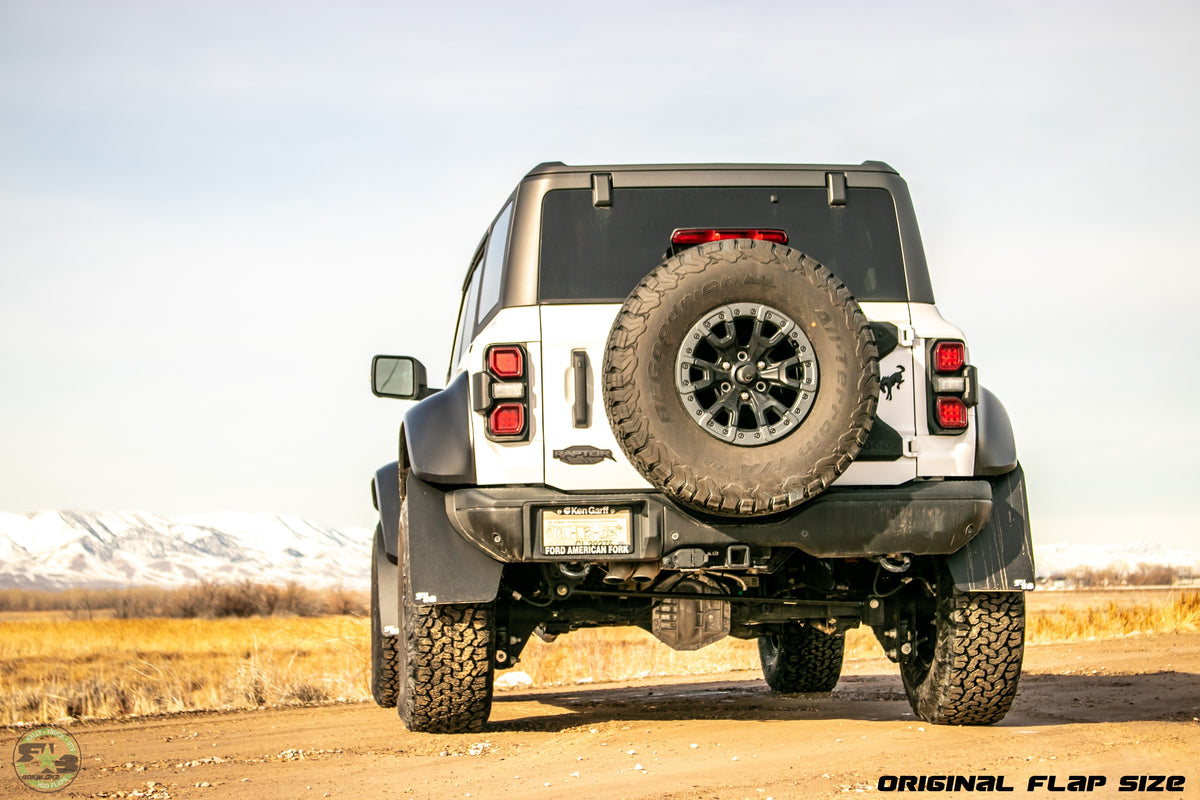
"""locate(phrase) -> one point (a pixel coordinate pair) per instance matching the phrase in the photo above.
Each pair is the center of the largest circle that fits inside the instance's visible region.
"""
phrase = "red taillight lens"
(949, 356)
(690, 236)
(506, 361)
(506, 419)
(951, 412)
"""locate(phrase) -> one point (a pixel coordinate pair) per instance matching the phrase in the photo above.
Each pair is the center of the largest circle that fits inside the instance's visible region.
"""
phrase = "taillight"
(951, 413)
(949, 356)
(691, 236)
(506, 419)
(506, 361)
(501, 393)
(953, 386)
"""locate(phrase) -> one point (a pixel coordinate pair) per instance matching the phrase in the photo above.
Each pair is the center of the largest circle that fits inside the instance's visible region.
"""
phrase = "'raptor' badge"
(582, 454)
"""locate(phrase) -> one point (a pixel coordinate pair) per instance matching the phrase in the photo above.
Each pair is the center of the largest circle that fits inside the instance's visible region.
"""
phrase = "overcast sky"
(212, 215)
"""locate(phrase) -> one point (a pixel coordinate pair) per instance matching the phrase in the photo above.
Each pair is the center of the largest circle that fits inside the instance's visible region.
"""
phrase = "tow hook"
(895, 562)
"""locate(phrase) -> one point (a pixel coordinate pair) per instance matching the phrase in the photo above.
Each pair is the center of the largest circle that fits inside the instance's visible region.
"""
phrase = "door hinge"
(910, 446)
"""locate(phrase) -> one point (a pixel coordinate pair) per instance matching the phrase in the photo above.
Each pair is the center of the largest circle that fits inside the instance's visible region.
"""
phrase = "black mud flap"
(387, 575)
(1000, 558)
(444, 567)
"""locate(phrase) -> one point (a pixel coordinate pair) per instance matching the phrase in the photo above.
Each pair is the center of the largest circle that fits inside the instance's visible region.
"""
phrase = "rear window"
(599, 254)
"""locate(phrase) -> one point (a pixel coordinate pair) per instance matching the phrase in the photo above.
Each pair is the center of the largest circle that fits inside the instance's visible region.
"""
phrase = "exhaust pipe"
(646, 572)
(619, 572)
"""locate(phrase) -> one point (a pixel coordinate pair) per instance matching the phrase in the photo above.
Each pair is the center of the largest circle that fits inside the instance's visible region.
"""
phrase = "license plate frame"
(586, 531)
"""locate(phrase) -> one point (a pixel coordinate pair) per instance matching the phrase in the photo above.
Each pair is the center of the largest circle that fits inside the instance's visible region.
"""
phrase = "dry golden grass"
(1070, 622)
(112, 668)
(51, 669)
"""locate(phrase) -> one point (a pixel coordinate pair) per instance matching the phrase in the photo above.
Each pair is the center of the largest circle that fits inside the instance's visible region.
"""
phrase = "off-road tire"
(447, 659)
(978, 641)
(384, 652)
(802, 659)
(656, 431)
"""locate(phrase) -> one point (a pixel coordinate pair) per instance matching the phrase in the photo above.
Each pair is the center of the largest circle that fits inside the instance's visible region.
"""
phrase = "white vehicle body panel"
(551, 333)
(898, 412)
(566, 328)
(938, 454)
(498, 463)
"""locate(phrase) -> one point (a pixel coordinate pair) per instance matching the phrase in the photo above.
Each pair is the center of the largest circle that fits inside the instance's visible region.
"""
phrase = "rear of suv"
(708, 401)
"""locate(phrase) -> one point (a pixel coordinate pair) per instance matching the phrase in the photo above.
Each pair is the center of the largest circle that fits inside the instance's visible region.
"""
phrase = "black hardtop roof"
(558, 167)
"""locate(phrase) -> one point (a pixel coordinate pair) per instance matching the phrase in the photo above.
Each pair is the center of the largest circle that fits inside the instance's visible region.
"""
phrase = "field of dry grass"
(112, 667)
(55, 668)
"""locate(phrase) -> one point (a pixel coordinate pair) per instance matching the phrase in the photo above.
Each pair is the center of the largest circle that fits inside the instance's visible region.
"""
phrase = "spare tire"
(741, 378)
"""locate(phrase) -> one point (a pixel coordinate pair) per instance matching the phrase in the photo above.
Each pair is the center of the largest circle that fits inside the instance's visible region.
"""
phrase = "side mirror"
(401, 377)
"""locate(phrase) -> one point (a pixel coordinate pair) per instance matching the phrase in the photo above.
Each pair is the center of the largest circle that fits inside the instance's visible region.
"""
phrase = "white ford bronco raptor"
(706, 400)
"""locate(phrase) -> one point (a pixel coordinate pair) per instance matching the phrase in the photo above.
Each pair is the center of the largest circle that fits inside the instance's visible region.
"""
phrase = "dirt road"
(1113, 708)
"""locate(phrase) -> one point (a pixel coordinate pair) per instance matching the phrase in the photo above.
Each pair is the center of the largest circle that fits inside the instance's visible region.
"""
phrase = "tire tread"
(977, 660)
(802, 659)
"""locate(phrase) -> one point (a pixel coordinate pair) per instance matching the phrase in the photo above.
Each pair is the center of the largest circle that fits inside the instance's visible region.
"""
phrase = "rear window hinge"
(835, 183)
(601, 190)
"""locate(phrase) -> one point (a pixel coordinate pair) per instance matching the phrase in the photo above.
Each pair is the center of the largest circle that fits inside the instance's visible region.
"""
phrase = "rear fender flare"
(436, 437)
(385, 494)
(995, 445)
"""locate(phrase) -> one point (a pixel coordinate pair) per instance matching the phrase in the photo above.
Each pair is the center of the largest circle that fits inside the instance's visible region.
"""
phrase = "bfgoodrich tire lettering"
(967, 660)
(655, 429)
(446, 658)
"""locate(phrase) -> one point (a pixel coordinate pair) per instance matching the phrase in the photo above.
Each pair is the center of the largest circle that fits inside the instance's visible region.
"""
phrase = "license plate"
(587, 531)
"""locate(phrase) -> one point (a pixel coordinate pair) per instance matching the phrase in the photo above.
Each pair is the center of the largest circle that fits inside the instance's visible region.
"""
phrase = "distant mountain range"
(65, 549)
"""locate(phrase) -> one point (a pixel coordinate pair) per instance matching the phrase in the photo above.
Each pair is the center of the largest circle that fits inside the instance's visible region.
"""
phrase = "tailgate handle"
(579, 364)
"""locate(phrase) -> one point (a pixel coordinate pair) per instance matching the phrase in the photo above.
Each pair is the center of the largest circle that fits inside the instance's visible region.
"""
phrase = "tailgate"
(581, 452)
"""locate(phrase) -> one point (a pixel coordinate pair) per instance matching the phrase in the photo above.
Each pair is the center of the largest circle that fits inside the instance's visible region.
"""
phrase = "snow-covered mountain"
(65, 549)
(1063, 557)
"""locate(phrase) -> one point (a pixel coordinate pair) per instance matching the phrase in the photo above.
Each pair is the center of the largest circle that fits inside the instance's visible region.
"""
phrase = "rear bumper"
(919, 518)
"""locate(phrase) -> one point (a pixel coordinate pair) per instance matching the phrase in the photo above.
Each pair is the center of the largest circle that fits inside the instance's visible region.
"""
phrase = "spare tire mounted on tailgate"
(741, 377)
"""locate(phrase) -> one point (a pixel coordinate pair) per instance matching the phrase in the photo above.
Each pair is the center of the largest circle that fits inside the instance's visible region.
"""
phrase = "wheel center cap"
(724, 390)
(745, 374)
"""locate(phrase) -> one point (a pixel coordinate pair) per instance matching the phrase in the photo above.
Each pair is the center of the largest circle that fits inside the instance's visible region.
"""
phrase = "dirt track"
(1109, 708)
